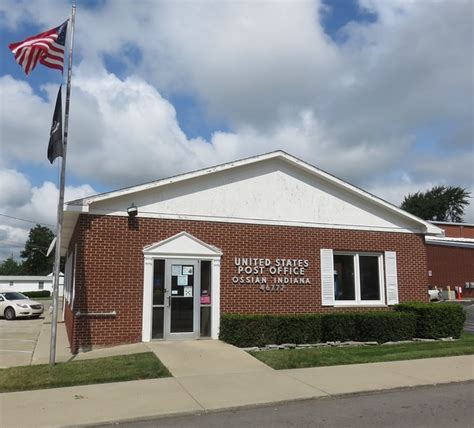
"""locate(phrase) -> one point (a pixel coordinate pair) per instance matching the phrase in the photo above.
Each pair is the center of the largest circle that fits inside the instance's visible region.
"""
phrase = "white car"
(13, 305)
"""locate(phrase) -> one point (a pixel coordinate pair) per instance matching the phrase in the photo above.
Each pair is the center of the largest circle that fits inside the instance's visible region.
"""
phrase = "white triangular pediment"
(182, 244)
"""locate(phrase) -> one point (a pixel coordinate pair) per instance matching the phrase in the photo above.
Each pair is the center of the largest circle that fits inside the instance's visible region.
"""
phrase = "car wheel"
(10, 314)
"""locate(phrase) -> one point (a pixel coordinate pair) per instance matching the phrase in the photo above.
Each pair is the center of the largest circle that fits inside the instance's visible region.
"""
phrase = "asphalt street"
(443, 406)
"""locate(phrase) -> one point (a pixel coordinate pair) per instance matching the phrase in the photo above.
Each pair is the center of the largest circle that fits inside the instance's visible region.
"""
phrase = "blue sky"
(364, 89)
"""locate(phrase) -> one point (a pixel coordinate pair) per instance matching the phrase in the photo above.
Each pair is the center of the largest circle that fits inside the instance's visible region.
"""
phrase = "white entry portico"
(183, 252)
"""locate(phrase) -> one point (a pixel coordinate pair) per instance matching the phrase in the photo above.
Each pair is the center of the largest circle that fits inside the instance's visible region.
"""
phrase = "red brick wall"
(109, 268)
(458, 230)
(451, 266)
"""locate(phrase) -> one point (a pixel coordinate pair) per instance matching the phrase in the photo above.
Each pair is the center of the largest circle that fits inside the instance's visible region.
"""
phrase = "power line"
(28, 221)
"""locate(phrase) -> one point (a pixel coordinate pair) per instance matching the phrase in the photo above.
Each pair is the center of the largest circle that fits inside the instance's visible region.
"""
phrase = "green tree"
(36, 262)
(440, 203)
(11, 267)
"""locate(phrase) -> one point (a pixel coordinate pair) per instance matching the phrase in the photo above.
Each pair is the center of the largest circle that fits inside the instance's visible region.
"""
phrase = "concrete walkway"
(211, 375)
(205, 357)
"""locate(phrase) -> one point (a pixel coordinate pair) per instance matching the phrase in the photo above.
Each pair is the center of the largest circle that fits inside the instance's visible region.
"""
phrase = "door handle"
(169, 301)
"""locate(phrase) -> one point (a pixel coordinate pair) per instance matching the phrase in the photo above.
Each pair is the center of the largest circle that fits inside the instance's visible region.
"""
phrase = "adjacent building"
(267, 234)
(451, 257)
(25, 283)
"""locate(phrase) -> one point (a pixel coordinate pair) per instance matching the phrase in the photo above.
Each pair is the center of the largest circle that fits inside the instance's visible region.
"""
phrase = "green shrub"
(260, 330)
(338, 326)
(40, 293)
(368, 326)
(385, 326)
(422, 320)
(436, 320)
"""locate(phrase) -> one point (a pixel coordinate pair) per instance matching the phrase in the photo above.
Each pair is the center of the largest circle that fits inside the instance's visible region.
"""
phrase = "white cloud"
(24, 121)
(18, 198)
(135, 137)
(15, 189)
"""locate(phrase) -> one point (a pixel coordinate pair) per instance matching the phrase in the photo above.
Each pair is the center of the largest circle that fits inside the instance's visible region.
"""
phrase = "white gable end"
(268, 192)
(182, 244)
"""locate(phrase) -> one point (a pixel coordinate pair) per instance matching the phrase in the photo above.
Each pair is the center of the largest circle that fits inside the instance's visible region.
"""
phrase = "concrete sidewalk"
(42, 349)
(210, 375)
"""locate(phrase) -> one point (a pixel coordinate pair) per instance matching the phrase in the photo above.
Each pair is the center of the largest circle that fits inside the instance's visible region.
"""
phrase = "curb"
(269, 404)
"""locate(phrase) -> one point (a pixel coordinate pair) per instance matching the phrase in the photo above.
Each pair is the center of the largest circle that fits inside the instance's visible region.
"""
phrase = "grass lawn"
(101, 370)
(332, 356)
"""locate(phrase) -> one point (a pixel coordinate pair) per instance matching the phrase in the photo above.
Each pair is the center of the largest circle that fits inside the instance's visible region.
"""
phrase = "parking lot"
(18, 339)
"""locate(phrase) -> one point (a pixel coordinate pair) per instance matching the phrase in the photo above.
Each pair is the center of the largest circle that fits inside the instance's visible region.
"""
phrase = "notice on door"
(182, 280)
(188, 291)
(188, 270)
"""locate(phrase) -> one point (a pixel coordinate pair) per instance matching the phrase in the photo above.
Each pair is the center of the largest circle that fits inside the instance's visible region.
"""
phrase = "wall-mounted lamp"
(132, 210)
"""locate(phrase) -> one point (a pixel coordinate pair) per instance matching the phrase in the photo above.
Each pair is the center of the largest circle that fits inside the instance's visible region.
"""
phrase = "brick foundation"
(110, 264)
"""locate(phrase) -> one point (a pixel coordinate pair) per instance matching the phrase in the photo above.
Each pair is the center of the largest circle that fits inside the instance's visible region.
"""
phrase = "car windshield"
(11, 295)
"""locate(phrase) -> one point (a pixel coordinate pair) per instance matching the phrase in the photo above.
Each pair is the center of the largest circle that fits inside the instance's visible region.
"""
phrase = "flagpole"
(57, 260)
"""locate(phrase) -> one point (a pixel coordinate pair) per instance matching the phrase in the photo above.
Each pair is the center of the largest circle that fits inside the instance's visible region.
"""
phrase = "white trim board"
(450, 242)
(258, 221)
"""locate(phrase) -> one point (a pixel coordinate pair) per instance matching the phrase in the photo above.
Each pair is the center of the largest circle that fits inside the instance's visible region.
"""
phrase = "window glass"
(158, 299)
(14, 296)
(369, 278)
(157, 324)
(159, 282)
(182, 315)
(41, 285)
(344, 285)
(205, 321)
(205, 282)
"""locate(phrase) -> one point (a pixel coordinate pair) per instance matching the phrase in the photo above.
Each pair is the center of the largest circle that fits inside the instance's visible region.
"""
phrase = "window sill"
(360, 305)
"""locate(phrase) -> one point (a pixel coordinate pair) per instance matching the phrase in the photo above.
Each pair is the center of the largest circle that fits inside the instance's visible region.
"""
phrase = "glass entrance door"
(182, 291)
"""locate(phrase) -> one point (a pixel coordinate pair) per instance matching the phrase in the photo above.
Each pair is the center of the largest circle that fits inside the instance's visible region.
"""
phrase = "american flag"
(47, 48)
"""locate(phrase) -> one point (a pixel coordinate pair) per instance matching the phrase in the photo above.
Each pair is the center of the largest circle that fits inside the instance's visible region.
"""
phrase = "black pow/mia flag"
(55, 146)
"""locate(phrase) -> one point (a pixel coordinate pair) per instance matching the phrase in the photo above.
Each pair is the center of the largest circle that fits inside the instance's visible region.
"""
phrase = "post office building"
(268, 234)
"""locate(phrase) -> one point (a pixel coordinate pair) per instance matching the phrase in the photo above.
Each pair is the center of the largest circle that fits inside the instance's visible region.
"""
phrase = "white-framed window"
(358, 278)
(70, 275)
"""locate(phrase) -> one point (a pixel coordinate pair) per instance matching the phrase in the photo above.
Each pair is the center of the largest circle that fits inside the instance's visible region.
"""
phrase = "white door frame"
(182, 246)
